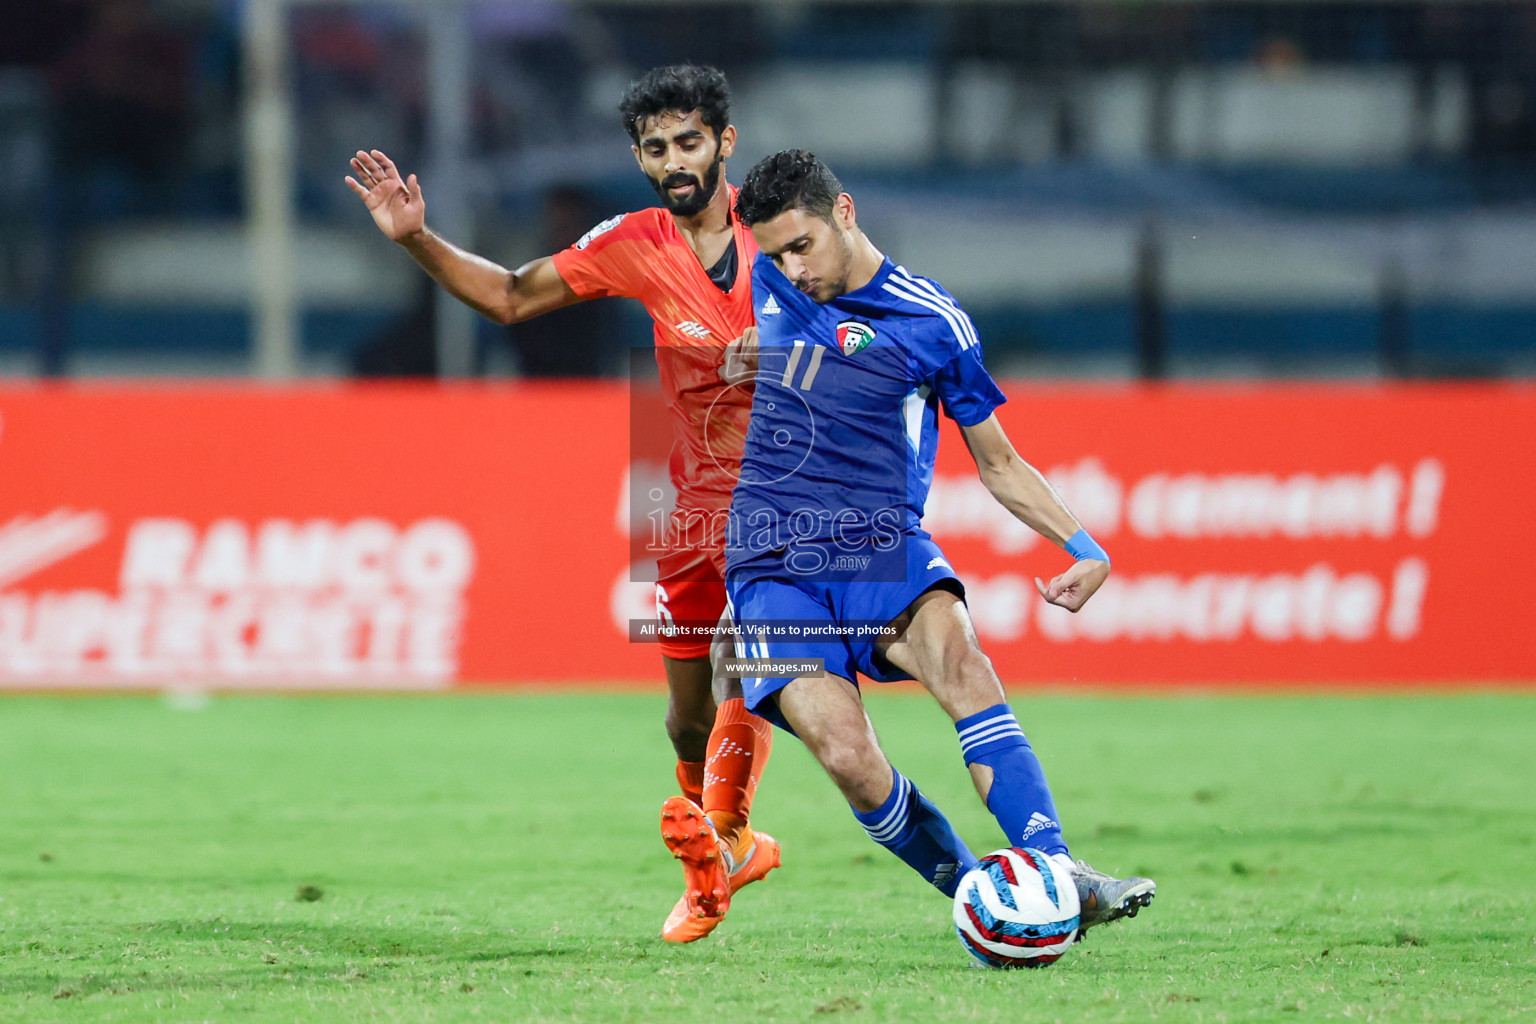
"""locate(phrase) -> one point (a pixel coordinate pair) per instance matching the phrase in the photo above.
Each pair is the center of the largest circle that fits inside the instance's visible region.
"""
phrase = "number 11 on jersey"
(817, 351)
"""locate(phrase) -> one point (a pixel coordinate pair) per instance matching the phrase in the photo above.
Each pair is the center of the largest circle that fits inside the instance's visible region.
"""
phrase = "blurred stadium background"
(1174, 188)
(1260, 273)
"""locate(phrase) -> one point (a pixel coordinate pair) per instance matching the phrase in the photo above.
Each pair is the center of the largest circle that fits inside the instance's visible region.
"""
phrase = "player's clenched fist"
(740, 362)
(395, 202)
(1072, 589)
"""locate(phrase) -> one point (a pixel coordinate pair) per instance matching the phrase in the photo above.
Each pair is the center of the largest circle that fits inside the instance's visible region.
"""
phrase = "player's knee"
(972, 673)
(861, 774)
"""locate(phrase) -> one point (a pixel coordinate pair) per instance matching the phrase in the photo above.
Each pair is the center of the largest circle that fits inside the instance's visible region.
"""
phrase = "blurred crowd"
(122, 110)
(144, 94)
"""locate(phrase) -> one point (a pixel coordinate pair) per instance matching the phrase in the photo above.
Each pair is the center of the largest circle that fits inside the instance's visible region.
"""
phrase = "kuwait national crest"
(853, 336)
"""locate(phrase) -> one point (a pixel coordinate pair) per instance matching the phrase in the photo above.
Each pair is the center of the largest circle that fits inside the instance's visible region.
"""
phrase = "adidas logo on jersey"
(692, 329)
(935, 562)
(770, 308)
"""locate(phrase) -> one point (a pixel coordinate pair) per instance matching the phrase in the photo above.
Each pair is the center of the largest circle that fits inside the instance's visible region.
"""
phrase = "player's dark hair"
(791, 179)
(679, 87)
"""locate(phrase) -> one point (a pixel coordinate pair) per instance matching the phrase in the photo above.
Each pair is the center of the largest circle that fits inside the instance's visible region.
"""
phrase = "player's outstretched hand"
(395, 203)
(1072, 589)
(740, 362)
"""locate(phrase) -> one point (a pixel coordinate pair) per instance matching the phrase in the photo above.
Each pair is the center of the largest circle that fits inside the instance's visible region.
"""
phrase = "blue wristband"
(1081, 546)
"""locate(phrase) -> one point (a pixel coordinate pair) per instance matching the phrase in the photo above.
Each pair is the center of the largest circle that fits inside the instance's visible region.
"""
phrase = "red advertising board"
(428, 536)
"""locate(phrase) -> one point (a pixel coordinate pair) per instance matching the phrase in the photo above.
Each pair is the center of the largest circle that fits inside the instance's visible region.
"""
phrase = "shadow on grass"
(222, 955)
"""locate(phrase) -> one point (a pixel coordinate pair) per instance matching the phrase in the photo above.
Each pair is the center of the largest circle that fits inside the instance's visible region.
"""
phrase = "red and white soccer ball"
(1017, 908)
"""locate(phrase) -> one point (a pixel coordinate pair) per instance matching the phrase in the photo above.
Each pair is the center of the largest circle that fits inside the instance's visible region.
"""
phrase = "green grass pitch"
(496, 858)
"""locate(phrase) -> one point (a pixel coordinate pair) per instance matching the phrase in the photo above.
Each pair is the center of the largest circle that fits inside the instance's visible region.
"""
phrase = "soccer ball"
(1017, 908)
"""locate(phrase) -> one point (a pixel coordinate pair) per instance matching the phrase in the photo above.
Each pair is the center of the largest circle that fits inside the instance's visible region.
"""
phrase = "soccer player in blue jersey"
(855, 357)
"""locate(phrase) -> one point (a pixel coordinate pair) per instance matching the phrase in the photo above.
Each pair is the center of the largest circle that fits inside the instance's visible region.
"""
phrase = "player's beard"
(828, 288)
(693, 204)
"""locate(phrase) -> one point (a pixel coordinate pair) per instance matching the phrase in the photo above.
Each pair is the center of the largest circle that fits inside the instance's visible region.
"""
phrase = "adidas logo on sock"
(1037, 823)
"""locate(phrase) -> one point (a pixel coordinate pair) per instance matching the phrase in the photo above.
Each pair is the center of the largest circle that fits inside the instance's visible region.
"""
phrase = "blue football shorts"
(784, 615)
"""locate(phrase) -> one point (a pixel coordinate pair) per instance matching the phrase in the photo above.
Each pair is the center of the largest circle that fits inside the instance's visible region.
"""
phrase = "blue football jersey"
(844, 427)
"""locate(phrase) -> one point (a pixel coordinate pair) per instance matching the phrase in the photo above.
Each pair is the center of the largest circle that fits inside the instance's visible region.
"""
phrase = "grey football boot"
(1105, 899)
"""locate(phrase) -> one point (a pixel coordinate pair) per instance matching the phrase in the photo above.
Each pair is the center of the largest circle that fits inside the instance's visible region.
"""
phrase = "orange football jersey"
(642, 255)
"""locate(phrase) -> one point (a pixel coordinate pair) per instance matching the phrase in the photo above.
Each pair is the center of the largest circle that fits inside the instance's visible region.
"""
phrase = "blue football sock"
(1019, 799)
(917, 832)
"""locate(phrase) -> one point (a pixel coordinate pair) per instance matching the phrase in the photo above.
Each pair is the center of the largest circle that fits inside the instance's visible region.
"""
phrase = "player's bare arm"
(1022, 490)
(397, 207)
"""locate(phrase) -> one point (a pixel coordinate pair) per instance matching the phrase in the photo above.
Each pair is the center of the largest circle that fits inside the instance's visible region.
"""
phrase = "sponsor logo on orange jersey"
(603, 228)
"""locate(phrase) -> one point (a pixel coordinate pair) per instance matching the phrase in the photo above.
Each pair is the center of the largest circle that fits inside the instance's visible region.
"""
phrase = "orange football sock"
(739, 745)
(690, 777)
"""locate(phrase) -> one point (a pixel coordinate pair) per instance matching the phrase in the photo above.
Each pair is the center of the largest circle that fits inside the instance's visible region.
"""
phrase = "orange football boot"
(709, 878)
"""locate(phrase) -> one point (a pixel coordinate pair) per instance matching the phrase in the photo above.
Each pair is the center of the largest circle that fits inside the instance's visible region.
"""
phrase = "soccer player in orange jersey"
(689, 261)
